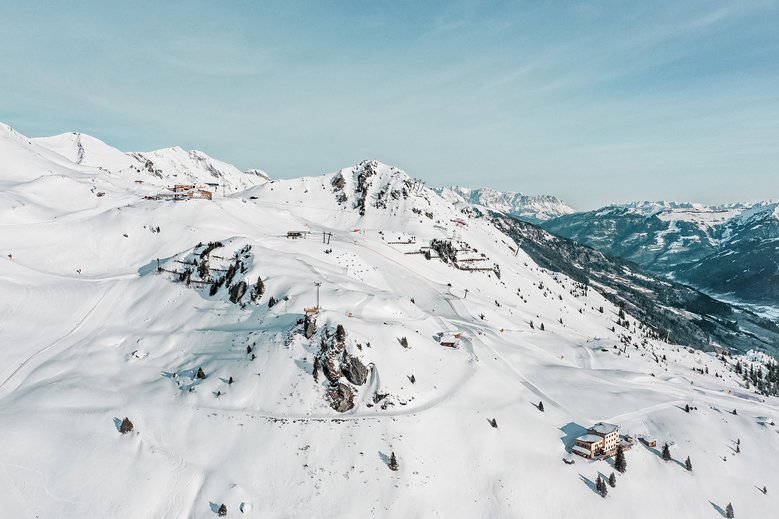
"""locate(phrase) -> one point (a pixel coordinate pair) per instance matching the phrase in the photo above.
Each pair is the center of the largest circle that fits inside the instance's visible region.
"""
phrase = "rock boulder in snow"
(341, 397)
(354, 370)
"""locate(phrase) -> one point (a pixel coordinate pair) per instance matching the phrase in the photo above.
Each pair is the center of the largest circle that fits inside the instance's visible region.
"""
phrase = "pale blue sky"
(595, 102)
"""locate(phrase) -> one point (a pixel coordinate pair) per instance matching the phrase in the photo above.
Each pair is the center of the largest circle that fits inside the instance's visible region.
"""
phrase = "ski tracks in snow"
(27, 362)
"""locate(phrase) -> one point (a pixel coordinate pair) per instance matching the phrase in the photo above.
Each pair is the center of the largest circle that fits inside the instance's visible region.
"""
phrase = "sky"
(595, 102)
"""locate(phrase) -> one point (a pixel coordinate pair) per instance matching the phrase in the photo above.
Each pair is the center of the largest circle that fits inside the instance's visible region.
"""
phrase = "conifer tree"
(620, 463)
(600, 486)
(729, 511)
(259, 288)
(666, 452)
(340, 333)
(393, 464)
(541, 406)
(126, 426)
(688, 464)
(200, 373)
(222, 511)
(315, 371)
(541, 327)
(686, 408)
(612, 480)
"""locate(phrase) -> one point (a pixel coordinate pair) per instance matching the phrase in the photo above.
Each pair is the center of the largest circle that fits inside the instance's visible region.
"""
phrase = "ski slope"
(93, 332)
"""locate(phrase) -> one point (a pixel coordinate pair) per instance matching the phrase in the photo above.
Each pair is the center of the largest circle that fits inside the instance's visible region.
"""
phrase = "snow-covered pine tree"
(393, 464)
(340, 333)
(600, 486)
(729, 511)
(222, 511)
(666, 452)
(612, 480)
(688, 464)
(619, 462)
(126, 426)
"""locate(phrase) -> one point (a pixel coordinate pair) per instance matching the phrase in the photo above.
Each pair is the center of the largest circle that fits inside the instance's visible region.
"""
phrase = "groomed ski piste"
(98, 324)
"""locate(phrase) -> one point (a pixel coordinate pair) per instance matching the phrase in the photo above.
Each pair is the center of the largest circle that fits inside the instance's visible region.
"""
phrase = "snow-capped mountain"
(530, 208)
(160, 167)
(274, 350)
(731, 250)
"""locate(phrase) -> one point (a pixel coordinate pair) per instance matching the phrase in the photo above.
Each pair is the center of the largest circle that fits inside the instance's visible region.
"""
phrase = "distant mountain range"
(529, 208)
(730, 250)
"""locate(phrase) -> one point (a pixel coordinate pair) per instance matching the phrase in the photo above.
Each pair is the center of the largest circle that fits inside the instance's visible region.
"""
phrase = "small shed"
(449, 340)
(649, 442)
(294, 235)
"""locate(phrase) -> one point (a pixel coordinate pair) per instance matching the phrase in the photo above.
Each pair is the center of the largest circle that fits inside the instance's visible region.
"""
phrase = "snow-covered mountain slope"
(530, 208)
(113, 308)
(86, 150)
(161, 167)
(728, 250)
(52, 177)
(181, 166)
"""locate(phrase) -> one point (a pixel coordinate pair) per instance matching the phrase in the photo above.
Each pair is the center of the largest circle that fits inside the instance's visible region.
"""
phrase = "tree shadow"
(384, 458)
(572, 431)
(304, 365)
(590, 484)
(214, 507)
(118, 425)
(652, 450)
(150, 267)
(718, 509)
